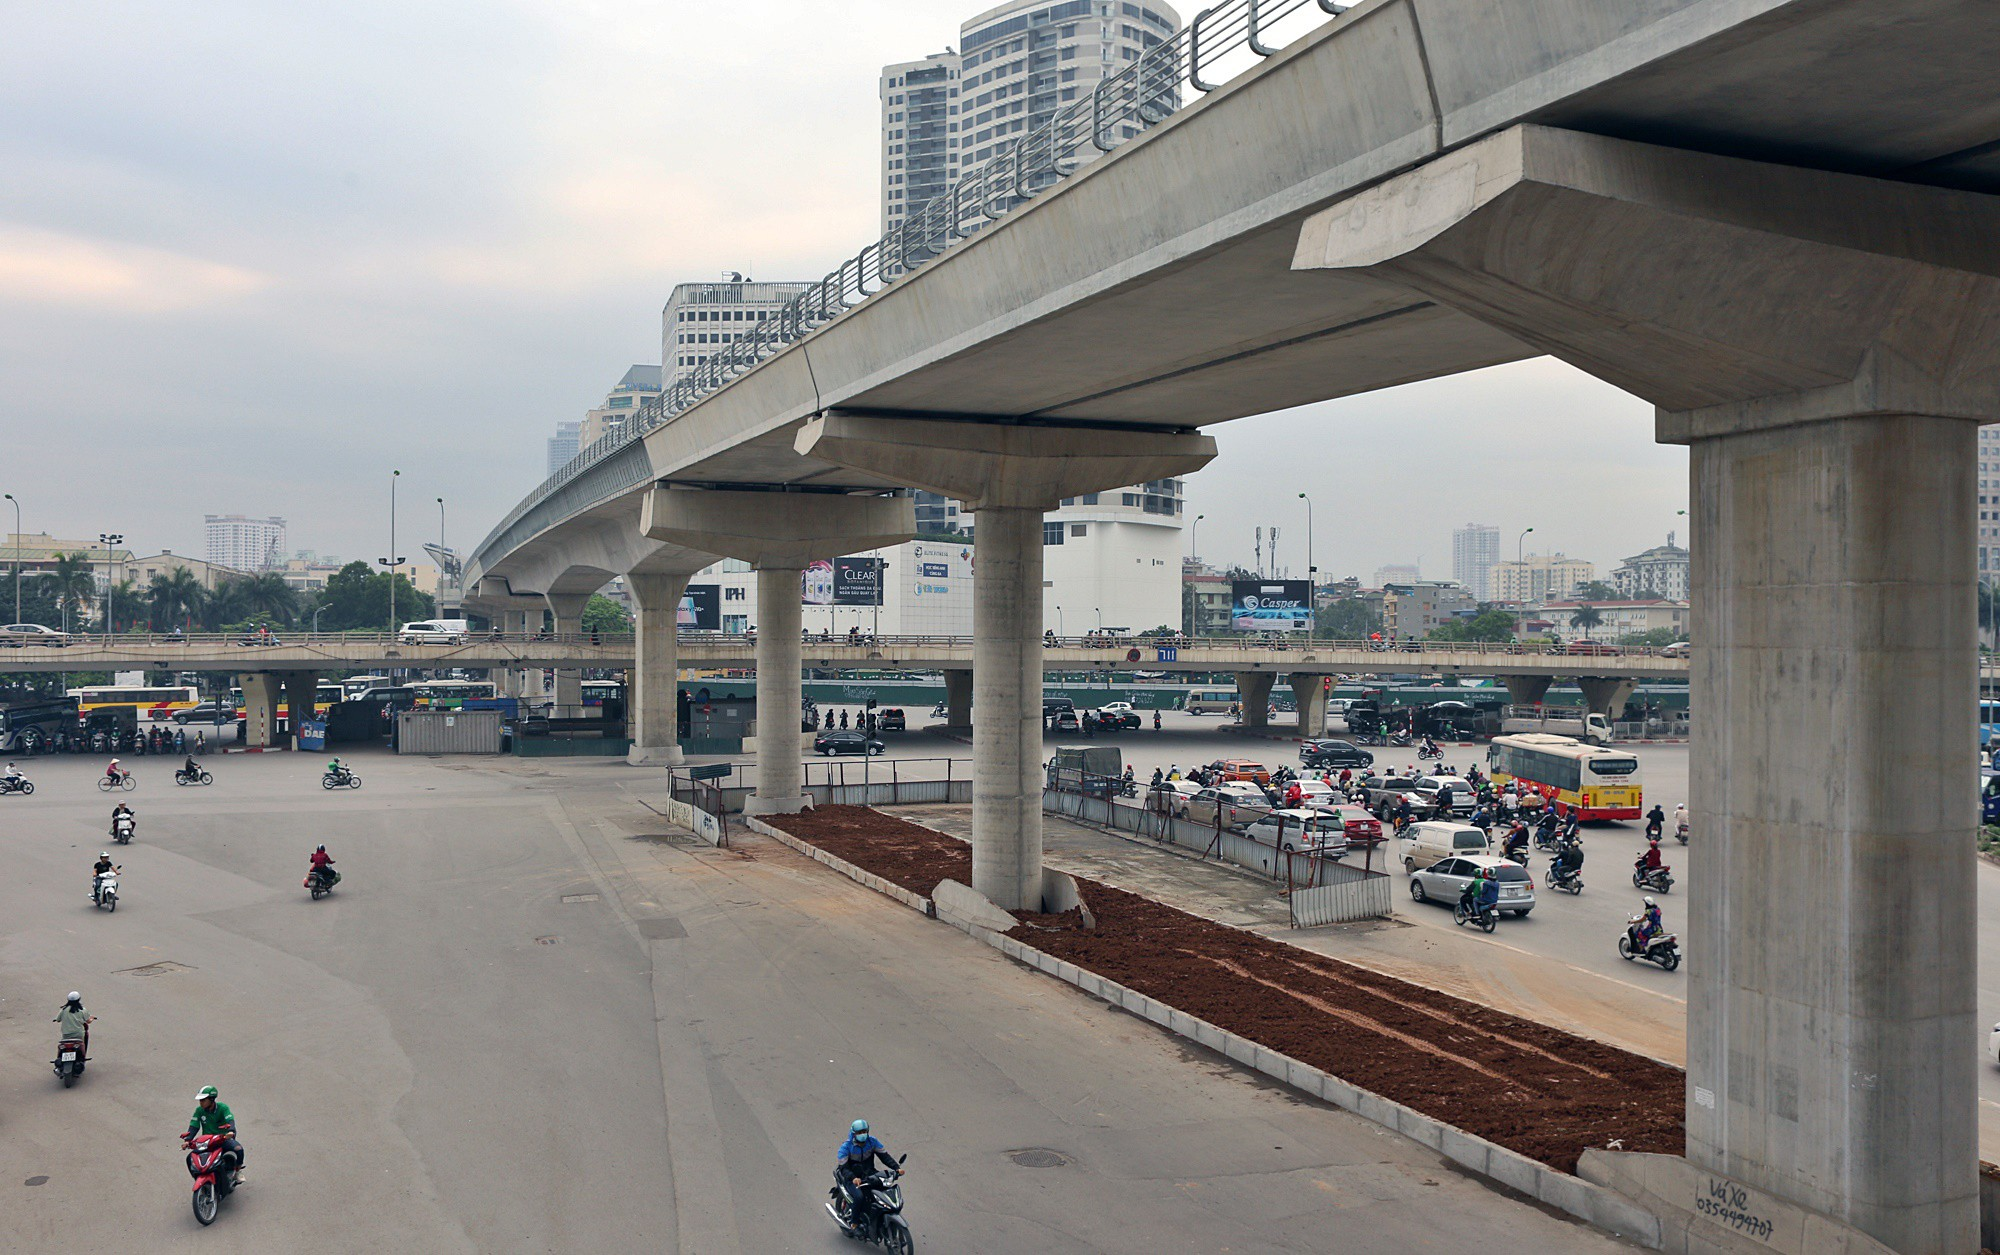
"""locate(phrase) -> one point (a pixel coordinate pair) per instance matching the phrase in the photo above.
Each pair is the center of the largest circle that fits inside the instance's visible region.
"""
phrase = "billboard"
(1270, 605)
(842, 582)
(700, 608)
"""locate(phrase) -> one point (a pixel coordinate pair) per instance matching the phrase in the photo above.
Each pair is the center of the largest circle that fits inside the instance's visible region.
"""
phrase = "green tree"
(1488, 625)
(1653, 639)
(1587, 617)
(1348, 619)
(356, 598)
(601, 614)
(268, 595)
(175, 600)
(37, 597)
(1596, 590)
(127, 605)
(226, 605)
(75, 588)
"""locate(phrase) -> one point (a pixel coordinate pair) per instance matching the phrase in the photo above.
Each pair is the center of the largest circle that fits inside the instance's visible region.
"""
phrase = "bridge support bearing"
(1253, 689)
(1826, 344)
(1527, 690)
(653, 714)
(1309, 695)
(1605, 697)
(958, 698)
(1010, 473)
(260, 709)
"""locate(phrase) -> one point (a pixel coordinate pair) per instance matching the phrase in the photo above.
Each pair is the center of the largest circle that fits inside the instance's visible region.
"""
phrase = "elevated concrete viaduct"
(1772, 218)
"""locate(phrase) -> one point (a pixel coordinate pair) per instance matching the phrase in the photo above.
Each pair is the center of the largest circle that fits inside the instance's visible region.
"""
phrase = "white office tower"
(564, 445)
(245, 544)
(703, 318)
(639, 385)
(1016, 64)
(1113, 560)
(1474, 549)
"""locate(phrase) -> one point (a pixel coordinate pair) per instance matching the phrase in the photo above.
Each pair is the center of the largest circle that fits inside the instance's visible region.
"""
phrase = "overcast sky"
(253, 257)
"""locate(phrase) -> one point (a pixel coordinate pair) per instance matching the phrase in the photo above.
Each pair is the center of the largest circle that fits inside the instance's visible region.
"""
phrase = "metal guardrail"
(294, 640)
(1219, 43)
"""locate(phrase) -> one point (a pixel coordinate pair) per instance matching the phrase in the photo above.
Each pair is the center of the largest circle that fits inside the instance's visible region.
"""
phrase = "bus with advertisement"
(1594, 780)
(451, 694)
(149, 704)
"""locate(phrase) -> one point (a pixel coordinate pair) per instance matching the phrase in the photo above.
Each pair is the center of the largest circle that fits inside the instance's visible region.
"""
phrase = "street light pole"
(17, 556)
(111, 541)
(1312, 576)
(1520, 560)
(1194, 529)
(394, 560)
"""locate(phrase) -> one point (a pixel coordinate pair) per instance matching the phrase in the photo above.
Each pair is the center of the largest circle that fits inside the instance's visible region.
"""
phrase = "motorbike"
(1548, 837)
(1128, 787)
(1566, 880)
(21, 785)
(215, 1172)
(1517, 856)
(1656, 879)
(1664, 949)
(104, 891)
(320, 881)
(340, 780)
(183, 776)
(1681, 832)
(1428, 750)
(884, 1222)
(123, 780)
(1401, 740)
(121, 830)
(1465, 913)
(71, 1055)
(1369, 738)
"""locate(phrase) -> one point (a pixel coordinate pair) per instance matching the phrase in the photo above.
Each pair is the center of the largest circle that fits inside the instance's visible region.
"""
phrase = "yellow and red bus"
(1595, 780)
(151, 705)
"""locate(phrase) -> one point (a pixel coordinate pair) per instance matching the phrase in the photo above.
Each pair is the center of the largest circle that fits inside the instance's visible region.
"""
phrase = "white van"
(1427, 843)
(435, 632)
(1209, 701)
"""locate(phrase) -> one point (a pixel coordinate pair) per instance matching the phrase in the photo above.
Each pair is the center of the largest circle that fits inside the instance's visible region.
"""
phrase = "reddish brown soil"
(900, 852)
(1531, 1088)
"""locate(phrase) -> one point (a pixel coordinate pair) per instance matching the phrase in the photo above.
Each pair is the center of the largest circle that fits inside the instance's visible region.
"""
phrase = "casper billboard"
(1270, 605)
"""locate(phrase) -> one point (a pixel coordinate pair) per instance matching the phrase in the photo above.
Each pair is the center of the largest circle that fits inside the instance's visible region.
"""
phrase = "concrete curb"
(915, 902)
(1594, 1204)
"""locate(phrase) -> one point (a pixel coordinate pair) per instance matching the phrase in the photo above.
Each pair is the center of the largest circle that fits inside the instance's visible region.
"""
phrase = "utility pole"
(17, 556)
(110, 541)
(1520, 560)
(394, 560)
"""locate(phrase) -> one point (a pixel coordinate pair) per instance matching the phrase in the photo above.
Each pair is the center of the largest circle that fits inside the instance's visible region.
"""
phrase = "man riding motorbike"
(1481, 894)
(121, 812)
(1568, 861)
(337, 769)
(1681, 820)
(213, 1118)
(103, 867)
(1516, 841)
(855, 1163)
(14, 776)
(189, 770)
(322, 866)
(1655, 820)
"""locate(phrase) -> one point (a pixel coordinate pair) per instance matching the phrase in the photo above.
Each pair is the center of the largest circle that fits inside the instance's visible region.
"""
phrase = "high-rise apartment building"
(1474, 549)
(564, 445)
(1540, 577)
(701, 318)
(1015, 65)
(245, 544)
(1989, 504)
(640, 385)
(1661, 572)
(1396, 573)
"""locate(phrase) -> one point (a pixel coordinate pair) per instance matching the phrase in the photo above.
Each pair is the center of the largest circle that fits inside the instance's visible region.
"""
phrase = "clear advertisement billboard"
(1270, 605)
(842, 582)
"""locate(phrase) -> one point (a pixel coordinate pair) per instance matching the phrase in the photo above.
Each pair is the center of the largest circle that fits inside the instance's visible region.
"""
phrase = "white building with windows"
(1015, 65)
(1540, 577)
(1664, 571)
(1113, 560)
(245, 544)
(564, 445)
(701, 318)
(1474, 549)
(640, 384)
(1989, 505)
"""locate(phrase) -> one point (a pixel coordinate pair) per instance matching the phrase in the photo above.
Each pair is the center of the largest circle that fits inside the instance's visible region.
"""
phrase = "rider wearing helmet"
(1656, 819)
(213, 1118)
(74, 1022)
(102, 868)
(1482, 892)
(1650, 925)
(322, 866)
(854, 1164)
(14, 773)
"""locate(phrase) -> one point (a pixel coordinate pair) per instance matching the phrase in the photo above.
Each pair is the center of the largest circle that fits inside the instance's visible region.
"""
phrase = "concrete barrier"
(915, 901)
(1703, 1213)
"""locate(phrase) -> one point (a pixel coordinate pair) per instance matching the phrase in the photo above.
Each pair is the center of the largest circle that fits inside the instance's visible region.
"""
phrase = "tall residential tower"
(1474, 549)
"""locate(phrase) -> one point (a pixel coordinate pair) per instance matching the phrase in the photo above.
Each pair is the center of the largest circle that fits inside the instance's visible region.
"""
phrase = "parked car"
(1125, 720)
(1679, 649)
(1424, 844)
(1591, 648)
(890, 719)
(1066, 721)
(1328, 752)
(1442, 882)
(1117, 708)
(1301, 831)
(1238, 802)
(831, 743)
(206, 712)
(434, 632)
(18, 634)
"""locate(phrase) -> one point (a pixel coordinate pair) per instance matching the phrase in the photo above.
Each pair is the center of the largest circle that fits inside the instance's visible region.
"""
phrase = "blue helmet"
(859, 1128)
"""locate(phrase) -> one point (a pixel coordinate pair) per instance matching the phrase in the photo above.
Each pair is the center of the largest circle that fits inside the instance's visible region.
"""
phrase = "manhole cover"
(1038, 1157)
(547, 941)
(166, 967)
(661, 928)
(579, 897)
(33, 1181)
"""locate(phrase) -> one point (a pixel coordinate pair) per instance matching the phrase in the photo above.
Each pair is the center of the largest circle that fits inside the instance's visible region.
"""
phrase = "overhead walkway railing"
(1221, 43)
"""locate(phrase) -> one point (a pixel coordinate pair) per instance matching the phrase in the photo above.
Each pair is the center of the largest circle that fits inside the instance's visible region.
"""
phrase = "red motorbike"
(214, 1171)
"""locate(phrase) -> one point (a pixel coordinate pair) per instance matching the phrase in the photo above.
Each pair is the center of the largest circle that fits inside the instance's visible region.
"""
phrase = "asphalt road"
(449, 1055)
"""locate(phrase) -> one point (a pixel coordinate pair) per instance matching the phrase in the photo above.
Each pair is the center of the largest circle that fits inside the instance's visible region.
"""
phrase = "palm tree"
(228, 603)
(176, 599)
(1587, 618)
(268, 594)
(75, 586)
(124, 606)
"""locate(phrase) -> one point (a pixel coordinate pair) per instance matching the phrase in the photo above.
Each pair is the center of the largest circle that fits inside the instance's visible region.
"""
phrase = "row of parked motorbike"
(131, 741)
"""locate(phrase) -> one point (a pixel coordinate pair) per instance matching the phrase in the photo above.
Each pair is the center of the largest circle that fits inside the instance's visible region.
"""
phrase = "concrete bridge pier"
(1527, 690)
(1254, 690)
(653, 713)
(1827, 345)
(1010, 473)
(958, 698)
(1309, 697)
(567, 609)
(779, 532)
(301, 691)
(260, 710)
(1605, 697)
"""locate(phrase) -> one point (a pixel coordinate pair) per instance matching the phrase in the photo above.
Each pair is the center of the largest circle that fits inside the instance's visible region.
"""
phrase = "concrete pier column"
(958, 699)
(301, 688)
(781, 776)
(1527, 690)
(1253, 690)
(651, 714)
(1007, 689)
(1309, 695)
(1831, 1033)
(568, 611)
(260, 710)
(1605, 697)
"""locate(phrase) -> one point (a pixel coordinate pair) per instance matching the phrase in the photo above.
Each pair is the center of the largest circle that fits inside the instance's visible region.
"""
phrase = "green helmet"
(207, 1091)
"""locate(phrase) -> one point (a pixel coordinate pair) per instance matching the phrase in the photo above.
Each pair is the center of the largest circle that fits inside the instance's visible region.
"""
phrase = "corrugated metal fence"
(448, 732)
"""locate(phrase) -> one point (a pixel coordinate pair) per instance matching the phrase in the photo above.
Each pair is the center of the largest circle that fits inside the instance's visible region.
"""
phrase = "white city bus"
(149, 704)
(1597, 781)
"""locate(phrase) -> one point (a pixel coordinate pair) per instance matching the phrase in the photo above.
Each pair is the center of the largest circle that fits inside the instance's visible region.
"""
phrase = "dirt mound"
(1531, 1088)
